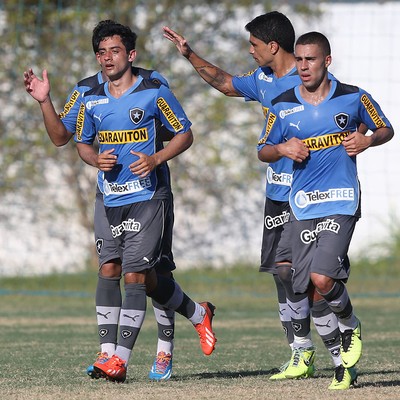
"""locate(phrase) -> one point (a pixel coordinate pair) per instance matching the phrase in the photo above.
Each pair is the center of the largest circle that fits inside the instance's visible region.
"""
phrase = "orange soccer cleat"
(204, 329)
(101, 358)
(113, 369)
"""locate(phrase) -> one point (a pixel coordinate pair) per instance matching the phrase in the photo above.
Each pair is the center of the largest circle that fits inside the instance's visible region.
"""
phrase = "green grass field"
(48, 337)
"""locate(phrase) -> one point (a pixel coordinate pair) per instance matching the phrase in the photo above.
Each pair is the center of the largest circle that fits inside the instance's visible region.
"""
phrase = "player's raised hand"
(37, 88)
(179, 41)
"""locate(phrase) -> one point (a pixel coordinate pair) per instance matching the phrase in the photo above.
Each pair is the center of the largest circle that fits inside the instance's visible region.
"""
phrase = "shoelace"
(162, 362)
(118, 361)
(102, 357)
(296, 357)
(284, 367)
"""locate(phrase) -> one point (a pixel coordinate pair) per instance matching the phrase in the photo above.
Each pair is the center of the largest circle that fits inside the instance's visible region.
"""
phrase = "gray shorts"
(321, 245)
(105, 244)
(276, 241)
(143, 235)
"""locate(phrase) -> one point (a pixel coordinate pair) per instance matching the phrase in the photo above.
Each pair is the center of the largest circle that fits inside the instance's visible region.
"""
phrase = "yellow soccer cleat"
(343, 378)
(301, 365)
(351, 347)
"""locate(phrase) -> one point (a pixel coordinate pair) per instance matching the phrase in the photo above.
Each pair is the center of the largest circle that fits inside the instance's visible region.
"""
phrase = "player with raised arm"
(61, 128)
(123, 114)
(272, 38)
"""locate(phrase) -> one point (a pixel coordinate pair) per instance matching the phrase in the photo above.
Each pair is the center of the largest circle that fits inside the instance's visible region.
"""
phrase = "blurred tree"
(56, 35)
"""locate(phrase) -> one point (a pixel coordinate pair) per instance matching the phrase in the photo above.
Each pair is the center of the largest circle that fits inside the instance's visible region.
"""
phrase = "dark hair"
(108, 28)
(316, 38)
(273, 27)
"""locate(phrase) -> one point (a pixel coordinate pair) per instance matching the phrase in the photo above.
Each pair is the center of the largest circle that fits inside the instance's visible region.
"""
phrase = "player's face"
(312, 65)
(113, 58)
(260, 51)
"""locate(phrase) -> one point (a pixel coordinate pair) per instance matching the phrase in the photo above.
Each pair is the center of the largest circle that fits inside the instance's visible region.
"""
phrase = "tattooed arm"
(213, 75)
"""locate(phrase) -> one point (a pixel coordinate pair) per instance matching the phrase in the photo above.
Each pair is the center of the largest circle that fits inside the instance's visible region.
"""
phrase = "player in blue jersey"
(271, 45)
(123, 114)
(61, 128)
(316, 124)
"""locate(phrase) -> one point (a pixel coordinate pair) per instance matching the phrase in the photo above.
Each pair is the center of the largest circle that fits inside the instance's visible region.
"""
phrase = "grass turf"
(48, 337)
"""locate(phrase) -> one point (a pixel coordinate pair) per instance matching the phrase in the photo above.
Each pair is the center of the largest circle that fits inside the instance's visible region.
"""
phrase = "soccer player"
(123, 113)
(315, 125)
(61, 129)
(272, 40)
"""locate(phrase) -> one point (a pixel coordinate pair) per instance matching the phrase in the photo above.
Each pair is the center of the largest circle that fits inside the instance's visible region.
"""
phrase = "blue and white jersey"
(326, 183)
(71, 108)
(127, 123)
(262, 85)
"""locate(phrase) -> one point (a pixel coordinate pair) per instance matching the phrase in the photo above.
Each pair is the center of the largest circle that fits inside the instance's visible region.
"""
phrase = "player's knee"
(322, 283)
(285, 272)
(111, 269)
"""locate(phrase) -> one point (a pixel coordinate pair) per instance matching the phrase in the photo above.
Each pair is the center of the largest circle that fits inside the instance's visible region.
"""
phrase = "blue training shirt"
(326, 183)
(262, 85)
(71, 108)
(127, 123)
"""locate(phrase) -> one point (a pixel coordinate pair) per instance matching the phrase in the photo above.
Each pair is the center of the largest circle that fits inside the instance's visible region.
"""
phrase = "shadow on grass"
(327, 373)
(321, 373)
(378, 384)
(228, 374)
(389, 383)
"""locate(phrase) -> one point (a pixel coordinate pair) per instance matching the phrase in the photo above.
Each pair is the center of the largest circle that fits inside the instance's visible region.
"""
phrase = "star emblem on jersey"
(136, 115)
(342, 119)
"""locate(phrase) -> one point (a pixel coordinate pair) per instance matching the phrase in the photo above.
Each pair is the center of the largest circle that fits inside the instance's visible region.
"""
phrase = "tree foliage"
(56, 35)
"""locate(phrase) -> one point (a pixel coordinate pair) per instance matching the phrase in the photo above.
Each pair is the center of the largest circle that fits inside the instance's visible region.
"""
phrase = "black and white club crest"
(125, 334)
(168, 332)
(136, 115)
(99, 245)
(296, 326)
(342, 120)
(103, 332)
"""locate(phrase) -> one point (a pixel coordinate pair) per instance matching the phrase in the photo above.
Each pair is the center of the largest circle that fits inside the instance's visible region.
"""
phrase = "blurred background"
(47, 193)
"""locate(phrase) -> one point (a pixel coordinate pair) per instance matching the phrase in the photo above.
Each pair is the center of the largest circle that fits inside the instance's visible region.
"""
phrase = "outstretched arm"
(40, 91)
(213, 75)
